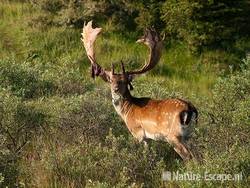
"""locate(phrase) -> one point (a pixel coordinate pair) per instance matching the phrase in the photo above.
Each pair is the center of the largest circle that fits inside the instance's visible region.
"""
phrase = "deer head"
(121, 82)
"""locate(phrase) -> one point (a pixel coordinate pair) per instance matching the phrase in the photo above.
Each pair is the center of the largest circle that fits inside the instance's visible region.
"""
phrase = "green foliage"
(148, 13)
(222, 134)
(116, 162)
(234, 93)
(74, 13)
(34, 80)
(58, 128)
(23, 81)
(201, 24)
(120, 15)
(70, 144)
(49, 6)
(206, 23)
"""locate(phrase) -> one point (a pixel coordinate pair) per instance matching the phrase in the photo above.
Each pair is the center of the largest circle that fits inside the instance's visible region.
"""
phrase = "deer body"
(169, 120)
(159, 123)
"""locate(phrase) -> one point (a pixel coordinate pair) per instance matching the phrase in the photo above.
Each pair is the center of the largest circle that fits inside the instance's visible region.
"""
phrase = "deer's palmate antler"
(89, 36)
(170, 119)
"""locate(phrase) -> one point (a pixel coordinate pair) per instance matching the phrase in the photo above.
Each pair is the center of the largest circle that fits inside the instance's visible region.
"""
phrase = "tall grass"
(59, 45)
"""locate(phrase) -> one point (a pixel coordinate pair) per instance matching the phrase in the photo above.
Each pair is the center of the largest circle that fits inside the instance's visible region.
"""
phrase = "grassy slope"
(60, 45)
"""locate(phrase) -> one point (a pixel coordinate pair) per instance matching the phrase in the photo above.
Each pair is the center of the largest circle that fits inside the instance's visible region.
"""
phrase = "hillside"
(58, 127)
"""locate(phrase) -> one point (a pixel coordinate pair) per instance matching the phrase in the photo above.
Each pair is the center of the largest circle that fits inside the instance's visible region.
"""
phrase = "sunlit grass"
(46, 86)
(61, 45)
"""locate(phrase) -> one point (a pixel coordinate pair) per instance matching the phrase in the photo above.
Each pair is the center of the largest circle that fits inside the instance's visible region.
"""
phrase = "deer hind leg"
(182, 149)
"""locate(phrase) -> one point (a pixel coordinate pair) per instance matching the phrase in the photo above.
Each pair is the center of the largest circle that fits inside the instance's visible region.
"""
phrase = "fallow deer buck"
(169, 120)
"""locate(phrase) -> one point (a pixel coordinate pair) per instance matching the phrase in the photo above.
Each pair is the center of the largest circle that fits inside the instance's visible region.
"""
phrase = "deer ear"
(131, 77)
(130, 86)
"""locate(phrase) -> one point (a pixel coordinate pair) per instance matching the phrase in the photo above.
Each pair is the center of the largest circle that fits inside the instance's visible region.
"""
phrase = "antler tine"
(123, 68)
(153, 40)
(113, 69)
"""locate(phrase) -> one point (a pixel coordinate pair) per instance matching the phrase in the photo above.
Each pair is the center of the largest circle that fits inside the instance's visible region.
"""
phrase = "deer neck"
(122, 103)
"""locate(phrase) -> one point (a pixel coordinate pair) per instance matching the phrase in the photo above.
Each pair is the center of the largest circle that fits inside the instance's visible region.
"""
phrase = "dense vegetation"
(58, 127)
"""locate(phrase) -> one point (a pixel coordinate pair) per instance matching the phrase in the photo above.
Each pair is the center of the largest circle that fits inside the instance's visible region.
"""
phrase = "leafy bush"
(49, 6)
(228, 125)
(65, 139)
(95, 162)
(234, 93)
(23, 80)
(18, 125)
(8, 144)
(203, 25)
(122, 15)
(58, 128)
(75, 145)
(206, 23)
(33, 80)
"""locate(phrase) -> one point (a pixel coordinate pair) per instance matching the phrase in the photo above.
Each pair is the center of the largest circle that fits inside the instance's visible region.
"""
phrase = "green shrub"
(122, 15)
(117, 162)
(33, 79)
(206, 23)
(14, 135)
(23, 80)
(55, 122)
(225, 141)
(49, 6)
(70, 143)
